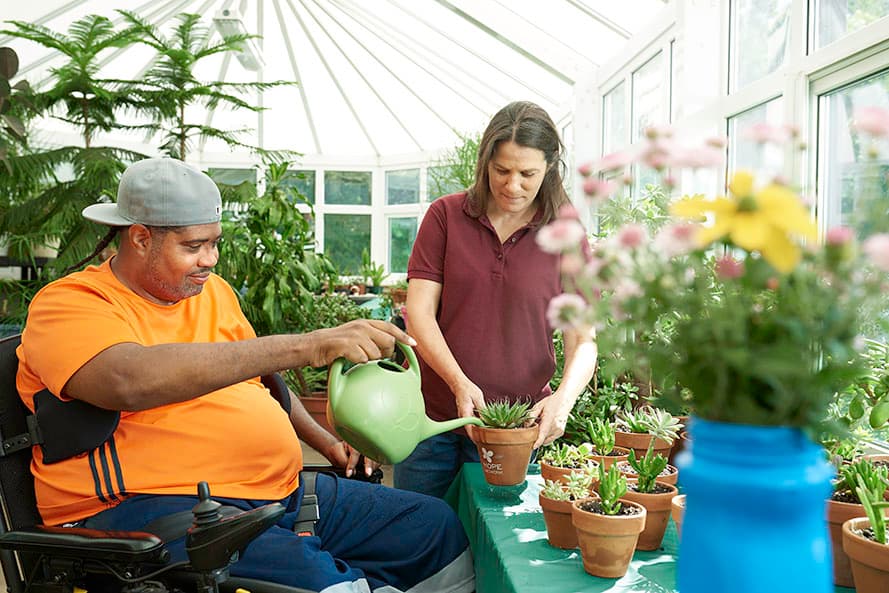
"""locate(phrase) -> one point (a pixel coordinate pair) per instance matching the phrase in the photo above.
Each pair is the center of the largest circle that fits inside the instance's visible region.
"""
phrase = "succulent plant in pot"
(560, 460)
(556, 500)
(601, 435)
(654, 495)
(844, 504)
(639, 428)
(864, 540)
(505, 441)
(608, 527)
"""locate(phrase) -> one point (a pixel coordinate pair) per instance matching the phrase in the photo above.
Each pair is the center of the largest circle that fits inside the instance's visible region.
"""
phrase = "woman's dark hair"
(530, 126)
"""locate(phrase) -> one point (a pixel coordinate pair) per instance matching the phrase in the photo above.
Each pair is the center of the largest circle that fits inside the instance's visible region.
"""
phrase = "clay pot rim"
(621, 500)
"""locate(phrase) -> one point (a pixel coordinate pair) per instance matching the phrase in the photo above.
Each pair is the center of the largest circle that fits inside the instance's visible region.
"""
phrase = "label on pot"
(488, 461)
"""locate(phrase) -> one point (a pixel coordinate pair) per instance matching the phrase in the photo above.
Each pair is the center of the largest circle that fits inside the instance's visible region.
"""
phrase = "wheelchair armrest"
(210, 547)
(87, 544)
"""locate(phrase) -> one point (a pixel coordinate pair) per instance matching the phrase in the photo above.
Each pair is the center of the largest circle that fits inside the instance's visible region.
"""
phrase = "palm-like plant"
(170, 86)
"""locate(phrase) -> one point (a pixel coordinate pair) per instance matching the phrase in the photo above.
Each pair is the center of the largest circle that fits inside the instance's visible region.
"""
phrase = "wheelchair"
(41, 559)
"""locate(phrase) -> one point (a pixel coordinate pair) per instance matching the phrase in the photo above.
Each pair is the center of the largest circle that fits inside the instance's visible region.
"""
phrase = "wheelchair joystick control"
(206, 512)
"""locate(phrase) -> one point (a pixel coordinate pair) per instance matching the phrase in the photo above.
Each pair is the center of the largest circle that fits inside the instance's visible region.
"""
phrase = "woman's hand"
(552, 417)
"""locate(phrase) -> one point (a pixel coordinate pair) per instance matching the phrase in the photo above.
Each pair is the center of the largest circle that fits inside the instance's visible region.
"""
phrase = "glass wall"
(746, 150)
(854, 170)
(614, 119)
(347, 187)
(345, 237)
(402, 232)
(834, 19)
(403, 187)
(759, 36)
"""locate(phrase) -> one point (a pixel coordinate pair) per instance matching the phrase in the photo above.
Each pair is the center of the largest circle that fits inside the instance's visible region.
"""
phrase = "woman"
(478, 291)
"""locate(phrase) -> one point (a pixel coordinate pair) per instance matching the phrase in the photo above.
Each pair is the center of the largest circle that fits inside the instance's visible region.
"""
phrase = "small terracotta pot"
(607, 460)
(505, 453)
(837, 514)
(560, 530)
(657, 506)
(639, 442)
(869, 559)
(677, 512)
(556, 473)
(607, 542)
(671, 478)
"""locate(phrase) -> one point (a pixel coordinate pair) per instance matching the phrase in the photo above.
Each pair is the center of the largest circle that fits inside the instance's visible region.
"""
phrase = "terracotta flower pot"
(677, 511)
(617, 454)
(556, 473)
(560, 530)
(505, 453)
(670, 477)
(657, 507)
(607, 542)
(869, 559)
(316, 406)
(639, 442)
(837, 514)
(679, 444)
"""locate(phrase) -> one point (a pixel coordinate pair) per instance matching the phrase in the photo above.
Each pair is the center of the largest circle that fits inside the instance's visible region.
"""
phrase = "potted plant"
(555, 500)
(601, 435)
(844, 504)
(607, 527)
(505, 441)
(560, 459)
(373, 273)
(677, 510)
(864, 540)
(656, 496)
(646, 426)
(758, 326)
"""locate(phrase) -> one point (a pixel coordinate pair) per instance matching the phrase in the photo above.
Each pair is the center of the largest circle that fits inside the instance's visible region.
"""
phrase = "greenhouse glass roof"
(377, 78)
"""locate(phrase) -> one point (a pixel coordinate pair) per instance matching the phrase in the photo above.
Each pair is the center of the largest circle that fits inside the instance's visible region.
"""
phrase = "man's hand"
(341, 454)
(358, 341)
(469, 399)
(552, 418)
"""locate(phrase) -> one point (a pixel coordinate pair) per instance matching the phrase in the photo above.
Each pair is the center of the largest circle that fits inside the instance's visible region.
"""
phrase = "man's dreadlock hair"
(106, 240)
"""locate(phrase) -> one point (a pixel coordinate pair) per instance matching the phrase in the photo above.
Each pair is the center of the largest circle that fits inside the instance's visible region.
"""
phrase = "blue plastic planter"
(754, 517)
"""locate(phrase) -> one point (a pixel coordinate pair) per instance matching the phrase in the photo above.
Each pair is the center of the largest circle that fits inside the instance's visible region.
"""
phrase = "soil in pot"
(616, 454)
(669, 475)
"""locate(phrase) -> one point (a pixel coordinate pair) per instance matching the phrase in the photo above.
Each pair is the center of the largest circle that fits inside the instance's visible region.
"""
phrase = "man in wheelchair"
(146, 377)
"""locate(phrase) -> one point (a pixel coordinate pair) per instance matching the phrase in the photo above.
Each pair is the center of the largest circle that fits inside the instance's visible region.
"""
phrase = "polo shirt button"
(499, 256)
(512, 240)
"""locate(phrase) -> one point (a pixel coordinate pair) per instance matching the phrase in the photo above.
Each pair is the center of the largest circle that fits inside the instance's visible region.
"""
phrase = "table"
(508, 538)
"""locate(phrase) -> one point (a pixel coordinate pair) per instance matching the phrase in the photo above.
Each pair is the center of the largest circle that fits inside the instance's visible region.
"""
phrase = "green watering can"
(377, 407)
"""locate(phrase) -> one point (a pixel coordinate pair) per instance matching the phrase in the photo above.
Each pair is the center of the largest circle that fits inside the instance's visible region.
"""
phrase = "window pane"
(345, 236)
(854, 185)
(759, 37)
(614, 117)
(347, 187)
(745, 153)
(232, 176)
(403, 187)
(650, 98)
(402, 232)
(836, 18)
(442, 181)
(303, 182)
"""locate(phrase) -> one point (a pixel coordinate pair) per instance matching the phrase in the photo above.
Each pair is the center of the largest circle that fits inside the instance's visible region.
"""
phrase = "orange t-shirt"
(238, 439)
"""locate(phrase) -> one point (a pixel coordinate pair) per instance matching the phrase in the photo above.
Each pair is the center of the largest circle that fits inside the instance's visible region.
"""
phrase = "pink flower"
(772, 283)
(839, 236)
(613, 161)
(872, 120)
(719, 142)
(585, 169)
(571, 263)
(699, 158)
(675, 239)
(562, 234)
(568, 211)
(876, 247)
(728, 268)
(632, 236)
(597, 190)
(763, 133)
(565, 311)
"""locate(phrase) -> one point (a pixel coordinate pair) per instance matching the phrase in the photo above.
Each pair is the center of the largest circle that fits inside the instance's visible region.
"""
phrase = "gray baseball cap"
(160, 192)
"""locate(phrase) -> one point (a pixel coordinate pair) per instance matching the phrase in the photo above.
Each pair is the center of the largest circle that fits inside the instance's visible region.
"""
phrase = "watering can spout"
(432, 428)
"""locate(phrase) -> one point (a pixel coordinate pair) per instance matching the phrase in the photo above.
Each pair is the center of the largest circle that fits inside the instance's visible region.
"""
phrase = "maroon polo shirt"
(493, 304)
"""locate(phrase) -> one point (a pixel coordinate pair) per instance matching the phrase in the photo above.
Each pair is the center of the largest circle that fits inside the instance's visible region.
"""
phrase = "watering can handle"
(336, 370)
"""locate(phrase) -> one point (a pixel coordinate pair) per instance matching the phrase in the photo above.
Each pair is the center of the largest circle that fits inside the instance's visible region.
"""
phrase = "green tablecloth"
(508, 538)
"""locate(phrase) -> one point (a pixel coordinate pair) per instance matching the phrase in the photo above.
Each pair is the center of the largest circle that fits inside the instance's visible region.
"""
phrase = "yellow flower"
(761, 220)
